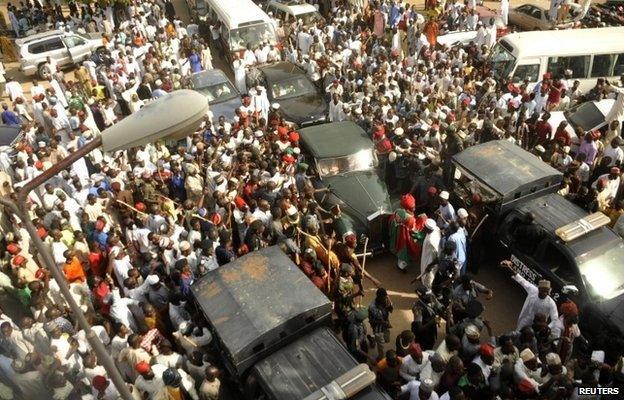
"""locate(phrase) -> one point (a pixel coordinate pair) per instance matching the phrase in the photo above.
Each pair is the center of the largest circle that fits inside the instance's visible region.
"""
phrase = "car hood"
(226, 108)
(303, 109)
(613, 310)
(363, 193)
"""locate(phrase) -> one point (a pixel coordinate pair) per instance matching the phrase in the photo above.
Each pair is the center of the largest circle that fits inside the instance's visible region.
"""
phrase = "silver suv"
(66, 48)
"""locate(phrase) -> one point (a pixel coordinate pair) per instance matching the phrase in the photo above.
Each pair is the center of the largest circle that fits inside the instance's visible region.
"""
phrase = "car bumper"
(28, 69)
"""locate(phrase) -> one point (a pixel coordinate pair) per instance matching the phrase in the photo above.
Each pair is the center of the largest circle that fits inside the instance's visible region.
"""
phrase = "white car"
(590, 116)
(66, 48)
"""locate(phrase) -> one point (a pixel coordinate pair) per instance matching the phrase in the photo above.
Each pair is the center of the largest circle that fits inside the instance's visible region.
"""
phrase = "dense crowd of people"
(132, 230)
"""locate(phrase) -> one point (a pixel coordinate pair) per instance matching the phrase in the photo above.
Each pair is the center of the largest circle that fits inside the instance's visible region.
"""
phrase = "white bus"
(241, 22)
(588, 53)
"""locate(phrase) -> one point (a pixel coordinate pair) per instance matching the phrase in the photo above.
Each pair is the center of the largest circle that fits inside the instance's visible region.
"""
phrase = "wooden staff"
(479, 226)
(363, 269)
(297, 256)
(130, 207)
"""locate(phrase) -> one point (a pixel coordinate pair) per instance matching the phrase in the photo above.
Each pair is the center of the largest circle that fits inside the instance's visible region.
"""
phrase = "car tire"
(44, 71)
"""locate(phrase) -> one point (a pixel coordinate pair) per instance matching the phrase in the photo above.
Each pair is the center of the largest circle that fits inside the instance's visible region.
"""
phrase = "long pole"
(103, 356)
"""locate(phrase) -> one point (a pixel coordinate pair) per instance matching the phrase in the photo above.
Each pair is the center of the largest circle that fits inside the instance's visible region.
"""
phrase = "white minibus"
(588, 54)
(241, 23)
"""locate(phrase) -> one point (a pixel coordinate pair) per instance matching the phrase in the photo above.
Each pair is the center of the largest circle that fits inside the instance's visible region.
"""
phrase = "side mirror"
(569, 289)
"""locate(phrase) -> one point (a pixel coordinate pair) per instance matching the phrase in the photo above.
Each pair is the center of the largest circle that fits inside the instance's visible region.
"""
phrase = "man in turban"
(406, 232)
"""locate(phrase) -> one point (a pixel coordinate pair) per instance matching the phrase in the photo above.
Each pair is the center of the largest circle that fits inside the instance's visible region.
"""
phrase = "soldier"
(345, 250)
(345, 293)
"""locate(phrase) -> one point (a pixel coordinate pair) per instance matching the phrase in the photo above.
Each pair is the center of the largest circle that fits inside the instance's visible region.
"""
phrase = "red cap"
(140, 206)
(216, 218)
(282, 130)
(13, 248)
(42, 232)
(526, 387)
(288, 159)
(142, 367)
(99, 382)
(408, 202)
(38, 164)
(40, 274)
(293, 136)
(239, 202)
(487, 349)
(415, 350)
(18, 260)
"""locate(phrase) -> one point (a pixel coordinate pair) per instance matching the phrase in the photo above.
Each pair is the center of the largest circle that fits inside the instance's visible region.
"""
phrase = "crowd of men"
(132, 230)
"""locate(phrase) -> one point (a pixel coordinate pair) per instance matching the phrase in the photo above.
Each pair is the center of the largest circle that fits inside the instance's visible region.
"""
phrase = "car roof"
(208, 78)
(507, 168)
(280, 71)
(336, 139)
(565, 42)
(255, 301)
(308, 364)
(237, 13)
(554, 211)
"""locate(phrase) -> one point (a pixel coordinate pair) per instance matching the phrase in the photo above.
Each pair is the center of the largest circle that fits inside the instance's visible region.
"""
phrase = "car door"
(56, 50)
(543, 22)
(558, 267)
(77, 47)
(521, 16)
(523, 259)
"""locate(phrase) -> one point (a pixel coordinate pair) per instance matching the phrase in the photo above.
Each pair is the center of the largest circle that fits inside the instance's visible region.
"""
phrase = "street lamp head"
(173, 116)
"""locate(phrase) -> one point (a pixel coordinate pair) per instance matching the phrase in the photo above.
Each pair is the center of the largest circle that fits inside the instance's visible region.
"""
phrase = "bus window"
(526, 73)
(579, 66)
(618, 69)
(603, 65)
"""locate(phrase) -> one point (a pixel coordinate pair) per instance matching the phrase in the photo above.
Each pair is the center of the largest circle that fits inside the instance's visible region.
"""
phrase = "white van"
(241, 22)
(589, 53)
(292, 10)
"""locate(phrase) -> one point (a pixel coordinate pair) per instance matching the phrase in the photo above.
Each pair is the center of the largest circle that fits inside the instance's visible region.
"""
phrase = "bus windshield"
(501, 61)
(253, 35)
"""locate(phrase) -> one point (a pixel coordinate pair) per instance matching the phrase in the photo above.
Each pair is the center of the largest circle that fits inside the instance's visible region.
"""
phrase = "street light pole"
(151, 123)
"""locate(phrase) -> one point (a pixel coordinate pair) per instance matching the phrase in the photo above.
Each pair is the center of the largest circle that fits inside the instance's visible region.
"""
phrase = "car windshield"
(361, 161)
(309, 18)
(218, 93)
(8, 135)
(467, 186)
(602, 270)
(252, 35)
(587, 116)
(501, 61)
(294, 87)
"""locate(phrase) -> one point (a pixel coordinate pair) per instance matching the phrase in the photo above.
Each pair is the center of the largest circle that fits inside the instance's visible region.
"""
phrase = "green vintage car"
(342, 159)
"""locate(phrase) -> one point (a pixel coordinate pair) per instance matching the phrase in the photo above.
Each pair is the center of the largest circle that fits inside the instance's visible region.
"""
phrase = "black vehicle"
(580, 256)
(343, 160)
(223, 97)
(271, 326)
(287, 84)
